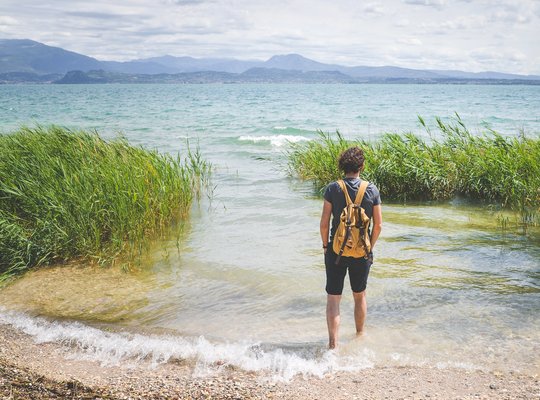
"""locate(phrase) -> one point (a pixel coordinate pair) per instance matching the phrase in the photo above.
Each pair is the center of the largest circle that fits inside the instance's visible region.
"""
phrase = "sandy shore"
(42, 371)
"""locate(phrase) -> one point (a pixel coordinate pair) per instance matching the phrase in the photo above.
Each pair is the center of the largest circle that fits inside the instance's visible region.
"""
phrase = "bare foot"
(332, 344)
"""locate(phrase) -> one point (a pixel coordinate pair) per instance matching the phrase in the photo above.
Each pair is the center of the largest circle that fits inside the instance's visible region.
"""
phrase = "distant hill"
(100, 76)
(29, 61)
(296, 62)
(190, 64)
(254, 75)
(483, 75)
(38, 58)
(28, 77)
(35, 57)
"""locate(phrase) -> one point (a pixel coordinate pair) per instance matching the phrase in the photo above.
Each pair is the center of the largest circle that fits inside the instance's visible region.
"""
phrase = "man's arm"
(377, 225)
(325, 222)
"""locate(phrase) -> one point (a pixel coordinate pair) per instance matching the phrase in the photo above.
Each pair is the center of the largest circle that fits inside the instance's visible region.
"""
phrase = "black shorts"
(335, 274)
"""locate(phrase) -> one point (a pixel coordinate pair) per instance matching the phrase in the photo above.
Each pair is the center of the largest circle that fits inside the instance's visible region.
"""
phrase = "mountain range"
(23, 60)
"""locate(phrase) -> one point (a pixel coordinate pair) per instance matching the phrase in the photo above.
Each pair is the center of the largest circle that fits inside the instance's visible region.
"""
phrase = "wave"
(274, 140)
(494, 118)
(289, 130)
(115, 348)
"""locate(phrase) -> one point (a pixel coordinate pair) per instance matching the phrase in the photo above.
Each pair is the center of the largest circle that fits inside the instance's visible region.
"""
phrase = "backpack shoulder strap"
(341, 184)
(361, 192)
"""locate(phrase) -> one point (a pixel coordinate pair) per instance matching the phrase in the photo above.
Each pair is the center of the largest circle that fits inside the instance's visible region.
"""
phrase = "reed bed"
(488, 167)
(68, 194)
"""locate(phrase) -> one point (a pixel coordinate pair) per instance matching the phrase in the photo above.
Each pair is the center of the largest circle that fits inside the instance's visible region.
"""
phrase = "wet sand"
(29, 370)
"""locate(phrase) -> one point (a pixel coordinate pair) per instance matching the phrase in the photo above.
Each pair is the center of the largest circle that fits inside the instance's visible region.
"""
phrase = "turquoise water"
(233, 110)
(245, 283)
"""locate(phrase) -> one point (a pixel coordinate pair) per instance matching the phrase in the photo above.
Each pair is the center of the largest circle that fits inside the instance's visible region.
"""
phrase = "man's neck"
(352, 175)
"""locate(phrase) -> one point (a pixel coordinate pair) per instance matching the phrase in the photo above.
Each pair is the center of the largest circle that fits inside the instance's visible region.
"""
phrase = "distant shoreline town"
(27, 61)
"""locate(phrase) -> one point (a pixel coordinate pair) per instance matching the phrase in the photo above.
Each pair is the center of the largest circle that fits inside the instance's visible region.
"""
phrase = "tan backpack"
(352, 235)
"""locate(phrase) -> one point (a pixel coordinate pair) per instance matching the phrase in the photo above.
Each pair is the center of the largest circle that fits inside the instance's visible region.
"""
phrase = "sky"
(469, 35)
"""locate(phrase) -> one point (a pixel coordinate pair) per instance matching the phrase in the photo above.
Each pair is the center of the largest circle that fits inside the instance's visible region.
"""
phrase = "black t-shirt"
(335, 195)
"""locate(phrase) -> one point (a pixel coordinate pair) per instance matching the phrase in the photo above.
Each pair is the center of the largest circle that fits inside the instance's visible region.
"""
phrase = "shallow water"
(245, 282)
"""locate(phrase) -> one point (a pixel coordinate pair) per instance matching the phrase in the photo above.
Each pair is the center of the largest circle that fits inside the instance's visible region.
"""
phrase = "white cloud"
(374, 8)
(429, 3)
(410, 41)
(402, 22)
(8, 21)
(184, 2)
(496, 55)
(459, 24)
(512, 17)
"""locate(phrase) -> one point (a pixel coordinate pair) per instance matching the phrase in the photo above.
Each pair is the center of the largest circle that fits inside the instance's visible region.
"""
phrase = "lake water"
(244, 284)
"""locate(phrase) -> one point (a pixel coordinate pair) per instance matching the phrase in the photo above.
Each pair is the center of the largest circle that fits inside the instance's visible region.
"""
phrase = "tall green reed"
(489, 167)
(68, 194)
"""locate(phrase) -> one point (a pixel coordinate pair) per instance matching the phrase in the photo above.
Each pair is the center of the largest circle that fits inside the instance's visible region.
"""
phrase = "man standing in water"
(351, 162)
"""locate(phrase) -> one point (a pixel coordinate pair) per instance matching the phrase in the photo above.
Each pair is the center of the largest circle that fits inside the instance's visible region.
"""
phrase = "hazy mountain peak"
(296, 62)
(19, 42)
(288, 57)
(24, 55)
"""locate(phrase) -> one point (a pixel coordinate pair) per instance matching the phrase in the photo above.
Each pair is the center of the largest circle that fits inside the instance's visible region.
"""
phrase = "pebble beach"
(30, 370)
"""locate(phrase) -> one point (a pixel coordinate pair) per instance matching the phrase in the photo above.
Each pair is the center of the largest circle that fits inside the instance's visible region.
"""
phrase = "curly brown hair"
(351, 160)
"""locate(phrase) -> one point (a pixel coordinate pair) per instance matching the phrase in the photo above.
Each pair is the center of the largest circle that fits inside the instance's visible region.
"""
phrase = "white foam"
(112, 348)
(274, 140)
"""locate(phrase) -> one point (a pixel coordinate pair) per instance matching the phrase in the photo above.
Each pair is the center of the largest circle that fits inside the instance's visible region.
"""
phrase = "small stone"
(492, 386)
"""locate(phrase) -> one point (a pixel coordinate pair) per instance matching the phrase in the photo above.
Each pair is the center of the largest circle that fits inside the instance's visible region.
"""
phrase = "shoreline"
(30, 370)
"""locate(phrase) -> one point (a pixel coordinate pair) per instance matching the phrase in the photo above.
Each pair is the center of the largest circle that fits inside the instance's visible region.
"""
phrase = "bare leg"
(332, 319)
(360, 311)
